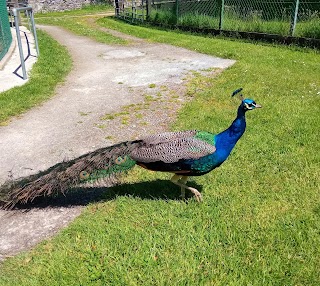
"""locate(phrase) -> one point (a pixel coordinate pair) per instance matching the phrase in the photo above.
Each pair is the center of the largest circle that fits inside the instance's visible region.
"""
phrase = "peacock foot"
(196, 193)
(181, 181)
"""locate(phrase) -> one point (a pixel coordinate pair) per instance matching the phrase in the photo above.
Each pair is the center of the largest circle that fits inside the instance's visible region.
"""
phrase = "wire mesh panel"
(267, 16)
(283, 17)
(308, 19)
(5, 33)
(199, 13)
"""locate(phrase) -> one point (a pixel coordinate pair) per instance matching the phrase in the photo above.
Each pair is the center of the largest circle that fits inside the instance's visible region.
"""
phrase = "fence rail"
(300, 18)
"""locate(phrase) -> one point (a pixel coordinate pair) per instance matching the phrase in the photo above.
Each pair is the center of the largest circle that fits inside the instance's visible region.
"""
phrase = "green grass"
(163, 16)
(259, 223)
(52, 66)
(84, 26)
(85, 10)
(196, 20)
(307, 28)
(257, 25)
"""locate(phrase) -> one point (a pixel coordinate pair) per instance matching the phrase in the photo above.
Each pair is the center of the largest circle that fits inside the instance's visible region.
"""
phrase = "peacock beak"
(258, 106)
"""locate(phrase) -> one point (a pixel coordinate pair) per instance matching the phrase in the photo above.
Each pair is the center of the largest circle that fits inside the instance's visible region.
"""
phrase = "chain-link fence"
(299, 18)
(5, 32)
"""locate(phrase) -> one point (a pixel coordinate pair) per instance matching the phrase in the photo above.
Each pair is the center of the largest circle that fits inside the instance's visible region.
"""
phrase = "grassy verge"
(81, 22)
(308, 28)
(52, 66)
(259, 223)
(83, 26)
(85, 10)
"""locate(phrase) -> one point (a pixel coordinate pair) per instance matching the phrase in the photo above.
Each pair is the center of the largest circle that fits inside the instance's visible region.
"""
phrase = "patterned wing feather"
(166, 137)
(172, 150)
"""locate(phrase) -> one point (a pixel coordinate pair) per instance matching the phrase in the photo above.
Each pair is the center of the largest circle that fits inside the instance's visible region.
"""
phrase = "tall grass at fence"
(308, 27)
(196, 20)
(256, 24)
(163, 16)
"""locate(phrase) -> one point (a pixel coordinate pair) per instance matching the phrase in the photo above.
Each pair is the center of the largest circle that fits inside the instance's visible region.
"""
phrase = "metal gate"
(132, 10)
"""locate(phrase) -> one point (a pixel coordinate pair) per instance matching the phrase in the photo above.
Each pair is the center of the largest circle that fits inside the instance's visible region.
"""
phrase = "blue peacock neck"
(226, 140)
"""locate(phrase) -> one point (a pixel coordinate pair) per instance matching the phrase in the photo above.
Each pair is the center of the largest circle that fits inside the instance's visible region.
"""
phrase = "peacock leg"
(183, 192)
(181, 181)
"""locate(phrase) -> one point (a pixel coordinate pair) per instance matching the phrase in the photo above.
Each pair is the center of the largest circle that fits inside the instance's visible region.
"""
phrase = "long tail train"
(101, 166)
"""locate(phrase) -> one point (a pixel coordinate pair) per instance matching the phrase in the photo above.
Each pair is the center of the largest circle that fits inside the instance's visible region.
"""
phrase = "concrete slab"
(11, 74)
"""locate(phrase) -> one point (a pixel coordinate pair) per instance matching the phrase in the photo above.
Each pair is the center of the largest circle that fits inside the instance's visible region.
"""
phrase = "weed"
(84, 113)
(101, 126)
(139, 116)
(108, 117)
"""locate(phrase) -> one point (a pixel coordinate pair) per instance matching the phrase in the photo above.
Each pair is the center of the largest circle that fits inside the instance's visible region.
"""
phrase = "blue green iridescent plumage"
(205, 136)
(223, 143)
(121, 164)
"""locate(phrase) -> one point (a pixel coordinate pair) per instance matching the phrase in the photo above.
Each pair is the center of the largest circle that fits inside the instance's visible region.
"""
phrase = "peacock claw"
(196, 193)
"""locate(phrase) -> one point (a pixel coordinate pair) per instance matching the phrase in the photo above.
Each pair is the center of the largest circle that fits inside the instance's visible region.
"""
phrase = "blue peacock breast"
(205, 164)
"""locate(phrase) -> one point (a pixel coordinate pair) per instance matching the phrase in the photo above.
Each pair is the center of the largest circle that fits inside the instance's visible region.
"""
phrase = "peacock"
(182, 153)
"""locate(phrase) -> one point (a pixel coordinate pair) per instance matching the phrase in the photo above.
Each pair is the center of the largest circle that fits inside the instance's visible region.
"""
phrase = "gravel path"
(144, 78)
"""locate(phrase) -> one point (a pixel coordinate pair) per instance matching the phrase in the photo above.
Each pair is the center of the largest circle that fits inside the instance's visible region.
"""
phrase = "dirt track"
(105, 79)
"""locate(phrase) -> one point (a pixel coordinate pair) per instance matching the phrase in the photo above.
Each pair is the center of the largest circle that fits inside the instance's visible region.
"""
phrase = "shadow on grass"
(151, 190)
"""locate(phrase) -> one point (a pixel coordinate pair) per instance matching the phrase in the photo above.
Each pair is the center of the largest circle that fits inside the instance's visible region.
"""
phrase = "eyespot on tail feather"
(120, 165)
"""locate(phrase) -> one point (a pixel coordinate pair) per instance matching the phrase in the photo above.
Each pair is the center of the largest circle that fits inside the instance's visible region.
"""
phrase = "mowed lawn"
(259, 223)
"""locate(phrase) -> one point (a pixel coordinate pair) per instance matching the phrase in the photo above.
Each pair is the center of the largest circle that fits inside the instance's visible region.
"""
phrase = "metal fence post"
(132, 11)
(116, 2)
(34, 31)
(177, 10)
(294, 18)
(16, 23)
(147, 10)
(16, 15)
(221, 15)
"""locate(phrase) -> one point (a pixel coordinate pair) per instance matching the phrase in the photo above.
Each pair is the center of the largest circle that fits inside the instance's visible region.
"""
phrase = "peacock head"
(249, 104)
(246, 103)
